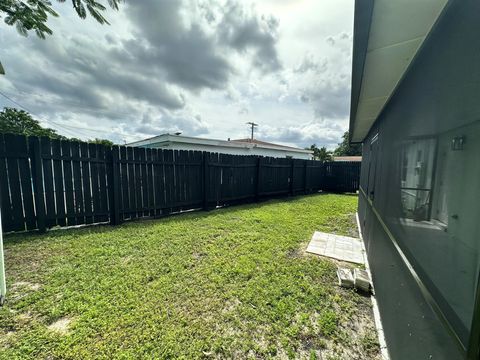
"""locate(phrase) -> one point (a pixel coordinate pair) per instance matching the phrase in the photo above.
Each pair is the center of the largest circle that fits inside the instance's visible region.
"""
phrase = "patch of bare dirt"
(26, 285)
(61, 326)
(353, 230)
(20, 289)
(126, 260)
(297, 253)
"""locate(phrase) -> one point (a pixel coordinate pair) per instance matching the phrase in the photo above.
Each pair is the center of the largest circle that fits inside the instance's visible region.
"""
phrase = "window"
(438, 217)
(417, 163)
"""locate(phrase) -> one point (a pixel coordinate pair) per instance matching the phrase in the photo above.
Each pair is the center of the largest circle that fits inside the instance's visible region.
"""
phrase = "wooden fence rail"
(46, 183)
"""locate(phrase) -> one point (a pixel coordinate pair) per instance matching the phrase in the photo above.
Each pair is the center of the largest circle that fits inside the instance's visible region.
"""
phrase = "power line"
(70, 104)
(31, 112)
(13, 101)
(62, 126)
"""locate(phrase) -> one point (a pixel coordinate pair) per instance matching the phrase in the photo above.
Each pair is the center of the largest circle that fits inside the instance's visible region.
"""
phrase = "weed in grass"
(369, 342)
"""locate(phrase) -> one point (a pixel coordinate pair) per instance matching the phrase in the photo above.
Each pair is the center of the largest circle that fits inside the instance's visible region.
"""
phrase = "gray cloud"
(170, 52)
(330, 100)
(70, 72)
(154, 124)
(309, 63)
(193, 52)
(321, 133)
(186, 55)
(304, 98)
(243, 31)
(161, 63)
(342, 42)
(326, 82)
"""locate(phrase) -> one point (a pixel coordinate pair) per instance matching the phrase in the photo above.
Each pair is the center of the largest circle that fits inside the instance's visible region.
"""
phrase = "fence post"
(113, 174)
(257, 178)
(322, 176)
(292, 170)
(36, 158)
(305, 182)
(205, 181)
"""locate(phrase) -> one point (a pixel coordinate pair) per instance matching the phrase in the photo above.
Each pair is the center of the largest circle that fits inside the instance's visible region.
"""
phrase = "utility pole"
(253, 126)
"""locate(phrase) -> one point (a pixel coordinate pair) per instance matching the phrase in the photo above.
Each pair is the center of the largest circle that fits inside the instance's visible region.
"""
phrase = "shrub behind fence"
(46, 183)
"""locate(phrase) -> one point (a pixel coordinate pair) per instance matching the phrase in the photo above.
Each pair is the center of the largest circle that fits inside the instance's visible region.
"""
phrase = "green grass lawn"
(230, 283)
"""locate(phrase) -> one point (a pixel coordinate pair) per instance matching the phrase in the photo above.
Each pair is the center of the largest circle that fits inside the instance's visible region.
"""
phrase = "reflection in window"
(439, 207)
(416, 178)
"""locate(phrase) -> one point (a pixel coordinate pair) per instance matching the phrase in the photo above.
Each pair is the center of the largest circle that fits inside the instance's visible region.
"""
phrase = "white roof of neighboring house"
(347, 158)
(165, 139)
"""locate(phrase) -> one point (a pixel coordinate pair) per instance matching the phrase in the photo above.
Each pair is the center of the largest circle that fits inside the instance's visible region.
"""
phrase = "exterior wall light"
(458, 143)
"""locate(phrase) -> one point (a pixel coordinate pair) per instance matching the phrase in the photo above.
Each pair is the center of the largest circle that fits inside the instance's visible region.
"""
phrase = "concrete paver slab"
(339, 247)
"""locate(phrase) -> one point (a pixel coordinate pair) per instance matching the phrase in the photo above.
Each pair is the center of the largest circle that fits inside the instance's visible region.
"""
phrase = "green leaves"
(14, 121)
(346, 149)
(20, 122)
(94, 10)
(32, 15)
(79, 8)
(321, 154)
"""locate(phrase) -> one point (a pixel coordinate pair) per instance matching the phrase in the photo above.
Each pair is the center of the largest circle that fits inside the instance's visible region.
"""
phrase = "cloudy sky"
(204, 68)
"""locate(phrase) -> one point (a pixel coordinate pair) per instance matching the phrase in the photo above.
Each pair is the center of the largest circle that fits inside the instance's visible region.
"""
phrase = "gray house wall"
(419, 203)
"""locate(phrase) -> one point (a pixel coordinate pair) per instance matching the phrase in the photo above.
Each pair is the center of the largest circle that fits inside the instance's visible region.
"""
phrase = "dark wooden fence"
(46, 183)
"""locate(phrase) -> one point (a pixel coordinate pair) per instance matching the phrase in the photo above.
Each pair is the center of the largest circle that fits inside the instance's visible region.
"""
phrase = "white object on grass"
(338, 247)
(362, 280)
(345, 278)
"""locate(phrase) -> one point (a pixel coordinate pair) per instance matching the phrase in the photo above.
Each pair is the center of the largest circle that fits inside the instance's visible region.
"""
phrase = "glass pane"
(432, 202)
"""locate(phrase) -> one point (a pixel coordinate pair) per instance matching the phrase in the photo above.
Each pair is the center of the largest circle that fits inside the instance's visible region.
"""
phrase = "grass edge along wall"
(52, 183)
(418, 203)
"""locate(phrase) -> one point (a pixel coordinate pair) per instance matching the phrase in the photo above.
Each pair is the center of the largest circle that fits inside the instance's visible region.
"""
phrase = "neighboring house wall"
(174, 142)
(419, 203)
(236, 151)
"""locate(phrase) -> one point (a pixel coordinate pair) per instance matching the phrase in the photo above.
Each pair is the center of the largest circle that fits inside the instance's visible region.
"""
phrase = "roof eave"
(364, 10)
(361, 32)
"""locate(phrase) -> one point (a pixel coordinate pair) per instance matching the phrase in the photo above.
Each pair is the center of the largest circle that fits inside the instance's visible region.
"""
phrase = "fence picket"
(87, 183)
(26, 184)
(68, 182)
(79, 208)
(114, 190)
(149, 182)
(169, 180)
(11, 148)
(102, 183)
(37, 178)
